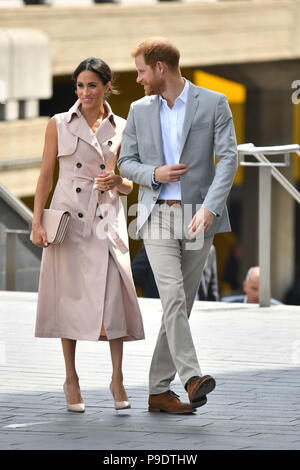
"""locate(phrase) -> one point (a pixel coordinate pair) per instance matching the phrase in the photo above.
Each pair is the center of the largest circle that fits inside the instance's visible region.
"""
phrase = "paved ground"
(253, 353)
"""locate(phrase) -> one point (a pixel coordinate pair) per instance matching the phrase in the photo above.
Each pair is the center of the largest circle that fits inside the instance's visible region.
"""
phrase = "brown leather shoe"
(198, 387)
(170, 403)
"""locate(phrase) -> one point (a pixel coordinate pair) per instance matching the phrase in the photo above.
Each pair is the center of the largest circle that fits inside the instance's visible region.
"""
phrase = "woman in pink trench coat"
(86, 291)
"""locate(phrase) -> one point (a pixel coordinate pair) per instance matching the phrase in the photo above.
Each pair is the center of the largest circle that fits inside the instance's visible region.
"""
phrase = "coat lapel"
(190, 110)
(79, 127)
(106, 131)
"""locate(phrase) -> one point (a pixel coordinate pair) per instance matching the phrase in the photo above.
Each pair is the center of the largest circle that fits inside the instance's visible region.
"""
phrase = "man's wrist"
(154, 181)
(212, 212)
(120, 181)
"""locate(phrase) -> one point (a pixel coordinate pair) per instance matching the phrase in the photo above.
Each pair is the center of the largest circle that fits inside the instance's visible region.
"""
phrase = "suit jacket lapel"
(154, 121)
(190, 110)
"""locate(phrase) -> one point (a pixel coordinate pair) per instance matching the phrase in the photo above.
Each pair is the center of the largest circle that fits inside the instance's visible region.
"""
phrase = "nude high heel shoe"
(119, 405)
(77, 407)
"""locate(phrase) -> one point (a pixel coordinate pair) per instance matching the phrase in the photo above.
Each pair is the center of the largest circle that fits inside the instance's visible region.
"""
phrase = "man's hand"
(201, 222)
(170, 173)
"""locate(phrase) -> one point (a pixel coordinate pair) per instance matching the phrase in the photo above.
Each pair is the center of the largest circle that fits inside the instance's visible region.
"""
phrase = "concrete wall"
(21, 147)
(206, 33)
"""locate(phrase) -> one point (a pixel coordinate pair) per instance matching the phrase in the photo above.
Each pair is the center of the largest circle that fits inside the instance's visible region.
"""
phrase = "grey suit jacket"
(207, 130)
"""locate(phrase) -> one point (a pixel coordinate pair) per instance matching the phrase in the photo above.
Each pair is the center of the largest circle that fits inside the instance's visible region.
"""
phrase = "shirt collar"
(183, 95)
(74, 110)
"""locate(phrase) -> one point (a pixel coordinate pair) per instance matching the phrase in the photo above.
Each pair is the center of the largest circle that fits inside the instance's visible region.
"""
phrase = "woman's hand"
(107, 181)
(39, 236)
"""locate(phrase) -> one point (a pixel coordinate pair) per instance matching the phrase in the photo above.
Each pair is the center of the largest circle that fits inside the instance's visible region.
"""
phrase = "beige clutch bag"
(55, 223)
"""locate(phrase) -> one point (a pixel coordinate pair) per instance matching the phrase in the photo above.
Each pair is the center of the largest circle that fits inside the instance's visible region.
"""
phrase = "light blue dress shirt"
(171, 121)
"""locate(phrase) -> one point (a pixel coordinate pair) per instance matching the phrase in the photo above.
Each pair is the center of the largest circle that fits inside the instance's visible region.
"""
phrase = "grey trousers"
(177, 270)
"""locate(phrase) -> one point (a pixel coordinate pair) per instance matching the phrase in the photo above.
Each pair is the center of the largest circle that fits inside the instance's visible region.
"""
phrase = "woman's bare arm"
(44, 184)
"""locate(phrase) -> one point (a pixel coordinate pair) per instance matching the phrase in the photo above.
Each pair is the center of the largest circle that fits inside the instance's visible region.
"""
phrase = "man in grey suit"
(168, 148)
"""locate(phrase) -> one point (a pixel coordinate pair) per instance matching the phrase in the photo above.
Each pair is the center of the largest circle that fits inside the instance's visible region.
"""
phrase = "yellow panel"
(235, 92)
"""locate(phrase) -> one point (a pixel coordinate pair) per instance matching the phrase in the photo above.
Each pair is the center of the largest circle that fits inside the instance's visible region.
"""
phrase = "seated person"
(251, 290)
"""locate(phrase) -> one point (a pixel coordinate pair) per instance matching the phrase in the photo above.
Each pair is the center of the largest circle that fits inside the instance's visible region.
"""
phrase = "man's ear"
(161, 66)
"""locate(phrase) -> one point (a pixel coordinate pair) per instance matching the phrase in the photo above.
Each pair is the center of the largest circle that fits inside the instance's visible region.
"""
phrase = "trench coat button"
(102, 166)
(78, 165)
(78, 190)
(109, 143)
(80, 215)
(101, 216)
(155, 198)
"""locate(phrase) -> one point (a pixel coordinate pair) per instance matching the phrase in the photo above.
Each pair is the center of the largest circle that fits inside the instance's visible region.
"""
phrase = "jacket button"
(80, 215)
(78, 190)
(101, 216)
(102, 166)
(78, 165)
(109, 143)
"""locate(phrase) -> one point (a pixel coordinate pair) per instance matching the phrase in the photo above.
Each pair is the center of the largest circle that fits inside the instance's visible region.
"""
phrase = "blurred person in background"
(251, 289)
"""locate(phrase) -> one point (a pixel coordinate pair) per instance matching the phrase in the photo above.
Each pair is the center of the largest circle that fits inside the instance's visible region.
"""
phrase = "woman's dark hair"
(100, 68)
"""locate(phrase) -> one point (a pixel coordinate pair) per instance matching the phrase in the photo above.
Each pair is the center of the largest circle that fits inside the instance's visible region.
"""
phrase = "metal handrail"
(268, 169)
(258, 152)
(16, 204)
(12, 235)
(10, 262)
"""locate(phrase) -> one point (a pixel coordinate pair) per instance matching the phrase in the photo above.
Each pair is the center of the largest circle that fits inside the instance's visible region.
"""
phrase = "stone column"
(25, 72)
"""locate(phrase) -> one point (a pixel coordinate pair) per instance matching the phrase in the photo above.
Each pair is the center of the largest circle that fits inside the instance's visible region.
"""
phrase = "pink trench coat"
(87, 282)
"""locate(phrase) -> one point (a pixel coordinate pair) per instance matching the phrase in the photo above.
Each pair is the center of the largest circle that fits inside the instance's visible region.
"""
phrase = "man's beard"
(155, 88)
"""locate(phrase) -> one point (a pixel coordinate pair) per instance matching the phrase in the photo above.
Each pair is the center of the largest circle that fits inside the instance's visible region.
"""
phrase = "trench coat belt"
(92, 205)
